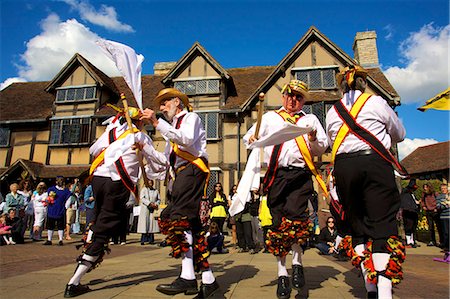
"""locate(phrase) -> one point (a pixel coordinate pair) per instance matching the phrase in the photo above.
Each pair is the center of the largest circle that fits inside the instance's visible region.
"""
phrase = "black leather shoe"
(47, 242)
(179, 285)
(207, 290)
(283, 289)
(372, 295)
(298, 277)
(75, 290)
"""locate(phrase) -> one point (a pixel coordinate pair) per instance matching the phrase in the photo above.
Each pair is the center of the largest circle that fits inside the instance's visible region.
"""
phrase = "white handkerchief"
(287, 132)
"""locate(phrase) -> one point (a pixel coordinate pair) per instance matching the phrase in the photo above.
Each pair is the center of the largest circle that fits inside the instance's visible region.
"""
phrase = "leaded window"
(210, 121)
(318, 109)
(213, 180)
(198, 87)
(75, 94)
(70, 131)
(318, 78)
(4, 136)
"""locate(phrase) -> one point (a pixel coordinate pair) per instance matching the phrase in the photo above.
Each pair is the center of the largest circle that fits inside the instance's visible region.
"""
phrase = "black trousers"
(366, 186)
(289, 195)
(186, 194)
(244, 234)
(111, 197)
(410, 220)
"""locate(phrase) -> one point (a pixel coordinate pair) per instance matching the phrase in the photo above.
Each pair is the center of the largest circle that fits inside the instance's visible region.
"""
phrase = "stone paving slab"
(133, 271)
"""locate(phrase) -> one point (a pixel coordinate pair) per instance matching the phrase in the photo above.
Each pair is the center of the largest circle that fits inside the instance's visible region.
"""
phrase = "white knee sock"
(297, 253)
(61, 234)
(82, 269)
(208, 277)
(281, 262)
(408, 240)
(49, 234)
(380, 261)
(89, 236)
(187, 261)
(370, 287)
(337, 242)
(412, 238)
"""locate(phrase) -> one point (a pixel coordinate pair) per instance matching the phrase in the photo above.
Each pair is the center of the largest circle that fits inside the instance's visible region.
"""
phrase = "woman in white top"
(38, 199)
(147, 224)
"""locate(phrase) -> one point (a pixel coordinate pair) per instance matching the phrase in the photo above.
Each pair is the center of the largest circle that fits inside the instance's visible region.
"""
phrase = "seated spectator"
(14, 199)
(5, 232)
(327, 237)
(16, 224)
(215, 239)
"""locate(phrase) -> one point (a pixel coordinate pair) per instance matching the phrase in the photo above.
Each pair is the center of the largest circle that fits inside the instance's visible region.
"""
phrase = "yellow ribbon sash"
(306, 153)
(194, 160)
(344, 129)
(101, 157)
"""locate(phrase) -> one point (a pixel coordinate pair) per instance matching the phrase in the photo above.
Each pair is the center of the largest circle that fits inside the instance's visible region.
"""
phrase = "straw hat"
(349, 73)
(297, 87)
(170, 93)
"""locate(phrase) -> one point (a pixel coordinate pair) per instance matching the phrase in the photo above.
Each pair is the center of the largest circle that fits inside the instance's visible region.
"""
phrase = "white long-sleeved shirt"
(376, 116)
(290, 154)
(190, 137)
(129, 157)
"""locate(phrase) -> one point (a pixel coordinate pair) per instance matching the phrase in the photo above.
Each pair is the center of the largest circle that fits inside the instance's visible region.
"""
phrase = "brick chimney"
(365, 49)
(162, 68)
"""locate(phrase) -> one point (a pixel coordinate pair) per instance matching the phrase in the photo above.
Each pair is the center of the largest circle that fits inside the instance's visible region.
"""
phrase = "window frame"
(197, 81)
(322, 69)
(205, 123)
(62, 123)
(8, 138)
(66, 90)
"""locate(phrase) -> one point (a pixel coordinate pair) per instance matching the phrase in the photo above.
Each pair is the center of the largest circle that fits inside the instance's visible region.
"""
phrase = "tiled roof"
(428, 158)
(34, 101)
(39, 170)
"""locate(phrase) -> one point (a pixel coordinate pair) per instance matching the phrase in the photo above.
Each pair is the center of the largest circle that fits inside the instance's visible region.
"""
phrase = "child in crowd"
(5, 231)
(215, 239)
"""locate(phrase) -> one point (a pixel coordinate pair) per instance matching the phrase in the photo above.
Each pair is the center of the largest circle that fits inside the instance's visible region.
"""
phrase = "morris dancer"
(112, 185)
(288, 181)
(180, 221)
(365, 181)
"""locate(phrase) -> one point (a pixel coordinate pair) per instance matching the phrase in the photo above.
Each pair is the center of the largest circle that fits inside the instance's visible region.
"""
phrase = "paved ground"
(133, 271)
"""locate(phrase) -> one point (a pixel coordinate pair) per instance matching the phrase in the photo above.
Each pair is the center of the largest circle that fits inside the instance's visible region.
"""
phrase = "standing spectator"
(89, 203)
(232, 220)
(265, 218)
(429, 205)
(327, 237)
(57, 197)
(71, 205)
(147, 224)
(443, 205)
(13, 199)
(26, 190)
(16, 225)
(219, 206)
(39, 199)
(409, 209)
(120, 235)
(257, 235)
(244, 230)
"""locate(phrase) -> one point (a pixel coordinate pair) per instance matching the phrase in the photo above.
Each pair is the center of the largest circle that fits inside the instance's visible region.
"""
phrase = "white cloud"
(105, 17)
(389, 32)
(407, 146)
(48, 52)
(10, 81)
(426, 55)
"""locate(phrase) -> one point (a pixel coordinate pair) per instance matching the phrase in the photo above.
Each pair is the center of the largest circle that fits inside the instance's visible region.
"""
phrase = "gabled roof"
(101, 78)
(427, 159)
(187, 58)
(35, 102)
(40, 171)
(375, 79)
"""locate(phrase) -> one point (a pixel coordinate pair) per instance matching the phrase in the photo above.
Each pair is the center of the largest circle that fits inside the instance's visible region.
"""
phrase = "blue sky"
(39, 37)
